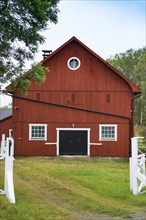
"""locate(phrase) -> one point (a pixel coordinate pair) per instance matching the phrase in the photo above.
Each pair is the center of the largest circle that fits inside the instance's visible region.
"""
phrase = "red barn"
(84, 102)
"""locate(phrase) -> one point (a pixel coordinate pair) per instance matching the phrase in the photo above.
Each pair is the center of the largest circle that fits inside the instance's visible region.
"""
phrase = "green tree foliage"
(132, 64)
(21, 23)
(37, 73)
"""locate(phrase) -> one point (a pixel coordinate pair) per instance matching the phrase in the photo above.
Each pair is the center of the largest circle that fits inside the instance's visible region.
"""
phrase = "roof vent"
(46, 53)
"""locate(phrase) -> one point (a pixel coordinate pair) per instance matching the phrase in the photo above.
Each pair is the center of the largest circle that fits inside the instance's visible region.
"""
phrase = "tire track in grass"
(40, 196)
(54, 184)
(72, 214)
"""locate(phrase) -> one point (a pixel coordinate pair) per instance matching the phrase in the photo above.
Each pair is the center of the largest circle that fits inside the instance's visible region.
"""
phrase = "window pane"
(73, 63)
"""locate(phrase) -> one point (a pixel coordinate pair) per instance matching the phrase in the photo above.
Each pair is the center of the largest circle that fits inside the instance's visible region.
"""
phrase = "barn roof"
(135, 89)
(5, 113)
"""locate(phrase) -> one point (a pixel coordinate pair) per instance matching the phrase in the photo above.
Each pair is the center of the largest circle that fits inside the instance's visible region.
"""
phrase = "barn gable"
(91, 62)
(74, 44)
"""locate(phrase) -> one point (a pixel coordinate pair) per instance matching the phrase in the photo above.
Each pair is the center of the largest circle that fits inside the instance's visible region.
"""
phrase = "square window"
(107, 132)
(38, 132)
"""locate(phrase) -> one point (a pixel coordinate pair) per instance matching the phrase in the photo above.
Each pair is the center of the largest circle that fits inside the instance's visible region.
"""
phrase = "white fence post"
(3, 145)
(137, 168)
(134, 165)
(7, 153)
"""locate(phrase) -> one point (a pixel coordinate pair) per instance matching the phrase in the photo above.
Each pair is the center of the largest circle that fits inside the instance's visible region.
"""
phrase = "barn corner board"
(85, 107)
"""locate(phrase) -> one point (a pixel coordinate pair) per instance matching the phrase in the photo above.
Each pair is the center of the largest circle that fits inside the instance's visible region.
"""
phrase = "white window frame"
(35, 138)
(73, 68)
(108, 138)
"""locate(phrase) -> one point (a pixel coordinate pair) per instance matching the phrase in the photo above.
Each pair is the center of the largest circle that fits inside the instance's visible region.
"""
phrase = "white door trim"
(74, 129)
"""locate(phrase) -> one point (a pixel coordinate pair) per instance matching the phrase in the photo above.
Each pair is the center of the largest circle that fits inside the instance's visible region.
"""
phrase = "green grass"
(69, 189)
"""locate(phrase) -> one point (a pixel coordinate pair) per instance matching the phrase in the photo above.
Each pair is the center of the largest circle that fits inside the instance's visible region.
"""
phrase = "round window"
(73, 63)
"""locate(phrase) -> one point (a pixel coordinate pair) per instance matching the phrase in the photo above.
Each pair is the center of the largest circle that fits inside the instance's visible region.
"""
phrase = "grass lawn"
(71, 189)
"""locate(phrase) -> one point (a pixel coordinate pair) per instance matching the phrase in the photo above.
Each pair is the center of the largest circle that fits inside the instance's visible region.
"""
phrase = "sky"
(107, 27)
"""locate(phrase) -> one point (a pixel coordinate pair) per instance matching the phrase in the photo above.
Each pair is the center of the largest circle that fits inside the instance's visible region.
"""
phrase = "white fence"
(137, 168)
(6, 154)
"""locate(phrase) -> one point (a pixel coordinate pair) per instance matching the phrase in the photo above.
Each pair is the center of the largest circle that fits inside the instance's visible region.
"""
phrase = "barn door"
(73, 142)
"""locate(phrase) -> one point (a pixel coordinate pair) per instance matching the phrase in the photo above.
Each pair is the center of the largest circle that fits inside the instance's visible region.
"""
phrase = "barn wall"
(110, 102)
(68, 118)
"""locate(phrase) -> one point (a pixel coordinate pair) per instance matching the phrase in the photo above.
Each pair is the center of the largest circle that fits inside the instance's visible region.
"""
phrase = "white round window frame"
(79, 63)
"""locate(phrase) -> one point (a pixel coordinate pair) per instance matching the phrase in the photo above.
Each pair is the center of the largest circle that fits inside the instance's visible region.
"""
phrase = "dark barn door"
(73, 142)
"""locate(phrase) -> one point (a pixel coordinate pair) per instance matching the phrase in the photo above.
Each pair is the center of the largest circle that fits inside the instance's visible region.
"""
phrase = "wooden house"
(85, 107)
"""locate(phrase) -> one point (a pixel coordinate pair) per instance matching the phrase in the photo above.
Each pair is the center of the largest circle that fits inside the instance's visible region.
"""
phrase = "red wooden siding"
(59, 117)
(38, 148)
(46, 112)
(93, 75)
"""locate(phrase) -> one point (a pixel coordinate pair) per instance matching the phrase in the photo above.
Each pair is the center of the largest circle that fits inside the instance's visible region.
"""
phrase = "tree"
(140, 69)
(21, 23)
(9, 106)
(132, 64)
